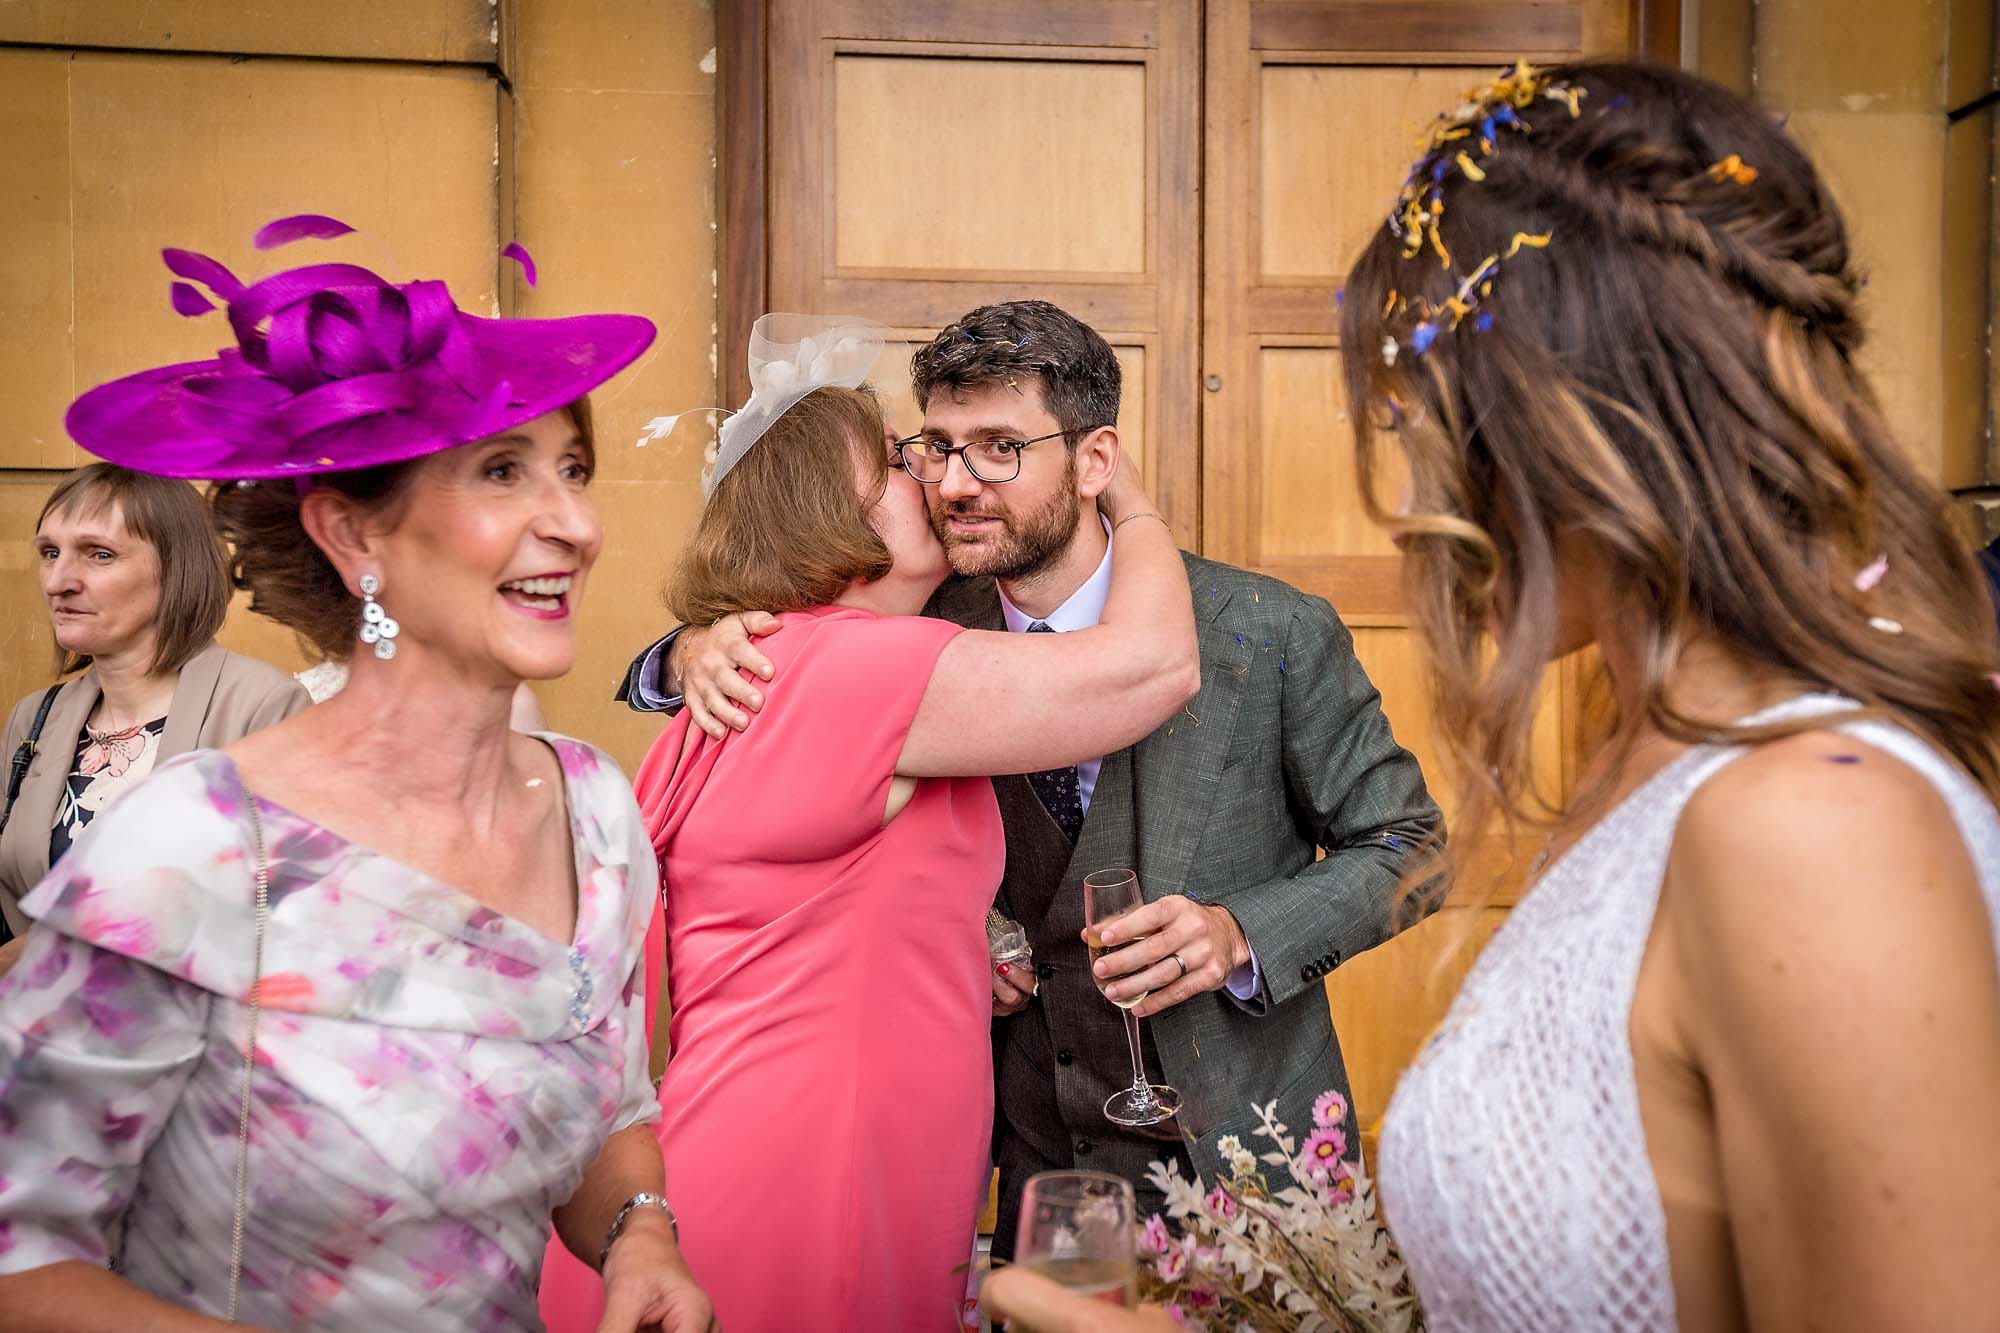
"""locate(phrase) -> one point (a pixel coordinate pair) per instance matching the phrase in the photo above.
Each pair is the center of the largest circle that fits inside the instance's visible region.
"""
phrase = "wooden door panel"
(1034, 197)
(924, 159)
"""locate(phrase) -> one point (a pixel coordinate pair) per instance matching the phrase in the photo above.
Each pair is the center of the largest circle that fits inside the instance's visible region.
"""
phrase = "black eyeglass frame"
(948, 450)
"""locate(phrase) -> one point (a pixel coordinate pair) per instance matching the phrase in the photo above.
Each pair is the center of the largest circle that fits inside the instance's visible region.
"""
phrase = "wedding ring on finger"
(1182, 961)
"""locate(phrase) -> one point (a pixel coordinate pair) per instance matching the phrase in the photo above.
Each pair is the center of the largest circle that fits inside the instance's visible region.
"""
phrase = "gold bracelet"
(1144, 513)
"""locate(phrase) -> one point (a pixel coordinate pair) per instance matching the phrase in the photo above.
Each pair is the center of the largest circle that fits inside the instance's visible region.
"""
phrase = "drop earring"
(377, 626)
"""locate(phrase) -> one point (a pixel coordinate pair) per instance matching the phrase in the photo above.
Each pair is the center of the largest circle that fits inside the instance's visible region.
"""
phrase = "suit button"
(1083, 1147)
(1305, 974)
(1064, 1057)
(1045, 970)
(1334, 959)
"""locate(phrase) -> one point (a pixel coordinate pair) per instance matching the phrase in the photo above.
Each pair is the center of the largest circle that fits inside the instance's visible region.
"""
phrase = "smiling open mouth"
(545, 595)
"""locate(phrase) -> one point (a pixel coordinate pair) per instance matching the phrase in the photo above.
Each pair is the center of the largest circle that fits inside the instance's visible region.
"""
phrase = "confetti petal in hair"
(1437, 244)
(1994, 680)
(1483, 321)
(200, 268)
(189, 302)
(1885, 625)
(1871, 574)
(1732, 168)
(298, 227)
(1389, 350)
(1422, 336)
(1537, 241)
(519, 254)
(1470, 168)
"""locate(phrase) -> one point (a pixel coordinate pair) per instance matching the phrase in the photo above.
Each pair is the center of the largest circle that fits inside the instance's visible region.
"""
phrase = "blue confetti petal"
(1241, 639)
(1484, 321)
(1281, 667)
(1422, 336)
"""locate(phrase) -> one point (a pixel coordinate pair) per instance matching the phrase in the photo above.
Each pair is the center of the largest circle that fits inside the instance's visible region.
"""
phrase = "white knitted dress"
(1513, 1161)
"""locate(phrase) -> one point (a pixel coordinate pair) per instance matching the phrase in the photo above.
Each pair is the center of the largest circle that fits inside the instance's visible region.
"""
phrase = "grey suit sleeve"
(1357, 794)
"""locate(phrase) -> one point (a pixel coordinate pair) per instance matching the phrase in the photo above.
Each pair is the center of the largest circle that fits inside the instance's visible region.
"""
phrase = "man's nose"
(958, 483)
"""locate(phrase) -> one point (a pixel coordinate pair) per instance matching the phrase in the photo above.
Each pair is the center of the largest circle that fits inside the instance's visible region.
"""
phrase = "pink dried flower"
(1329, 1109)
(1178, 1315)
(1221, 1203)
(1324, 1151)
(1153, 1239)
(1173, 1264)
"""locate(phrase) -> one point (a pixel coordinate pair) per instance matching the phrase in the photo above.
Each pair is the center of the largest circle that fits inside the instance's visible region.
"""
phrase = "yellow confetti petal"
(1521, 238)
(1472, 172)
(1437, 243)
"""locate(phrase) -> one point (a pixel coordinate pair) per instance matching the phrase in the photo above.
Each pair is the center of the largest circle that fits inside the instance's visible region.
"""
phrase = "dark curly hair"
(995, 344)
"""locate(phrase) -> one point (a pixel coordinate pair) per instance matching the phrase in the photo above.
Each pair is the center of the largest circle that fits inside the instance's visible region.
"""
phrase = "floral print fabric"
(432, 1077)
(99, 776)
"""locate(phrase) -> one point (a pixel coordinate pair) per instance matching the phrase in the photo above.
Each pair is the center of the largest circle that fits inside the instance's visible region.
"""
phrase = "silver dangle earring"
(377, 626)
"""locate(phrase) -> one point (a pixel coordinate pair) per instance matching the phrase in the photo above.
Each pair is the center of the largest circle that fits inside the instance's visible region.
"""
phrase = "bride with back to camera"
(1734, 1060)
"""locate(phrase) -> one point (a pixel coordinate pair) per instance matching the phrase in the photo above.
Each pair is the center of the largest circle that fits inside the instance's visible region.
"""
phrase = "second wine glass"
(1108, 895)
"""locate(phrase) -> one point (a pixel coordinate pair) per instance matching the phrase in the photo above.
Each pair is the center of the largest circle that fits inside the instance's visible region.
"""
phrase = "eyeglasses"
(990, 461)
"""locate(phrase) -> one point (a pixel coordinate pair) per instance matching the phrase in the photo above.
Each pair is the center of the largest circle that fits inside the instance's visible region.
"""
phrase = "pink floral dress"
(432, 1077)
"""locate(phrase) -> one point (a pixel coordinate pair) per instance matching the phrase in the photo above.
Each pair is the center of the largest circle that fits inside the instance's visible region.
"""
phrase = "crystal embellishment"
(582, 988)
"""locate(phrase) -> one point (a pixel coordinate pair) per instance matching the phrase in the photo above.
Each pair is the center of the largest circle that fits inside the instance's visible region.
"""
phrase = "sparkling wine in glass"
(1076, 1230)
(1108, 895)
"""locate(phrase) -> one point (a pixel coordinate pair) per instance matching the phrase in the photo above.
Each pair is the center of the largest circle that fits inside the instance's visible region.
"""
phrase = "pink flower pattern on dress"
(429, 1085)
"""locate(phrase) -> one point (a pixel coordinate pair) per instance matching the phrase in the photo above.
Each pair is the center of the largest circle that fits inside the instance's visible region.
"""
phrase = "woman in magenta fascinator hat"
(323, 1028)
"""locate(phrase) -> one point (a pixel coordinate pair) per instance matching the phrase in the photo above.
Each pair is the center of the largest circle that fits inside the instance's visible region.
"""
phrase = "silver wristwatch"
(643, 1199)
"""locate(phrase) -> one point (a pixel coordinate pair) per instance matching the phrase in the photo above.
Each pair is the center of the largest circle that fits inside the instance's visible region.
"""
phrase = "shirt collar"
(1083, 609)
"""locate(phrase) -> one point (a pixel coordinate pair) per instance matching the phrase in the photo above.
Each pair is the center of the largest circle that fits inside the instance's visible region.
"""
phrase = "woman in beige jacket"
(137, 586)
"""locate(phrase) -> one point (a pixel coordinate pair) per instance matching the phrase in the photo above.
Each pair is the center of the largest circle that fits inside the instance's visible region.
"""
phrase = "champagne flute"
(1076, 1230)
(1108, 895)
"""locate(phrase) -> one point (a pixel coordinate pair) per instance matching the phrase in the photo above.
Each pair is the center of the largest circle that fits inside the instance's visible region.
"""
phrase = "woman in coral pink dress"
(828, 1097)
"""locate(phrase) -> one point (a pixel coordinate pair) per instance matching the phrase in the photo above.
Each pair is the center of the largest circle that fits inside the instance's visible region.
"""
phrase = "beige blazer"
(221, 697)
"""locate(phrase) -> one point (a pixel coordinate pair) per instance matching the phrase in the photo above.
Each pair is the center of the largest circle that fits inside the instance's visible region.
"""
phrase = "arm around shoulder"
(1018, 703)
(1838, 992)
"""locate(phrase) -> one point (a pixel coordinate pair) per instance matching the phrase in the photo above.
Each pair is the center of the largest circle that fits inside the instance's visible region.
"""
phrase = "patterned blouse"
(432, 1079)
(104, 770)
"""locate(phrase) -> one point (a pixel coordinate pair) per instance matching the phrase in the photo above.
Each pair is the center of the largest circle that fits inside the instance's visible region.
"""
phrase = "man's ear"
(340, 528)
(1096, 461)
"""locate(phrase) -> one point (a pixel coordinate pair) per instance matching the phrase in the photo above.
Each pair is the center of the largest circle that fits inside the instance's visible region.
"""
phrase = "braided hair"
(1670, 373)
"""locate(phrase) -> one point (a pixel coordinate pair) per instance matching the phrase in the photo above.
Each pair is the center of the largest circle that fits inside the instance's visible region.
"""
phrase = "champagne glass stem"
(1142, 1091)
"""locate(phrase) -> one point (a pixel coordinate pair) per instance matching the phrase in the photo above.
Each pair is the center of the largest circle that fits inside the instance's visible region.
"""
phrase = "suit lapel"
(193, 693)
(1177, 770)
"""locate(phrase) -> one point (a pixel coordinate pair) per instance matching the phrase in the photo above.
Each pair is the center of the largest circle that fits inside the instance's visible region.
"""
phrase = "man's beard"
(1018, 546)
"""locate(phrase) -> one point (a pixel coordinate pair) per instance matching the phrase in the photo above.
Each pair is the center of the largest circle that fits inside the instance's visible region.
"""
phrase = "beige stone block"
(199, 153)
(1887, 173)
(427, 30)
(1969, 63)
(35, 260)
(662, 46)
(615, 196)
(1966, 278)
(1851, 55)
(27, 649)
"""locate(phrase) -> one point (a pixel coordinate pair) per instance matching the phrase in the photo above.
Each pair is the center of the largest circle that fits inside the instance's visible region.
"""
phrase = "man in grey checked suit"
(1284, 753)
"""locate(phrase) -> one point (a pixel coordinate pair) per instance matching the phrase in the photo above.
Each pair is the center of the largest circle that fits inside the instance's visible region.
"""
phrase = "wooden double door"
(1190, 179)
